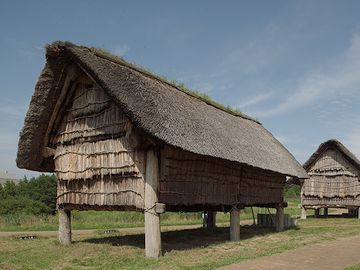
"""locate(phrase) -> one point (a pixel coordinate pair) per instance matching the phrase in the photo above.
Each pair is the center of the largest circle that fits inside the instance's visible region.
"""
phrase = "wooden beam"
(48, 152)
(72, 73)
(279, 220)
(152, 219)
(326, 212)
(317, 212)
(303, 209)
(64, 227)
(303, 212)
(209, 219)
(234, 224)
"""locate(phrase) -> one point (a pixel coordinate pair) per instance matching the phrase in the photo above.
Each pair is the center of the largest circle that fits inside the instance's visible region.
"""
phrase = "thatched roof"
(156, 107)
(332, 144)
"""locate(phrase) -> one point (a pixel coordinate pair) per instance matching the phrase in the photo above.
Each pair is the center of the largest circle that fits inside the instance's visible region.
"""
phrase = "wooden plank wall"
(333, 181)
(191, 179)
(97, 160)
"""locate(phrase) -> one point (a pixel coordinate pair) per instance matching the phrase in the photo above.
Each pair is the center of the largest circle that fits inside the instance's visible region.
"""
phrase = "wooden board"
(191, 179)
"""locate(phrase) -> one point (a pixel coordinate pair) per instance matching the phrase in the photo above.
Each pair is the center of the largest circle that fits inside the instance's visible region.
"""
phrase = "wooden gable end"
(332, 175)
(332, 161)
(97, 157)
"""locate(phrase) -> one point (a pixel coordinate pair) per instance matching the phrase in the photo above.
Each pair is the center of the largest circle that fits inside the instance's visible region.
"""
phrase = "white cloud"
(288, 139)
(204, 87)
(254, 100)
(121, 50)
(341, 80)
(251, 57)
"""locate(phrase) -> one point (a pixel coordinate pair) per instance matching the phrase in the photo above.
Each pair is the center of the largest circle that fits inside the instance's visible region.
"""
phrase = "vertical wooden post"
(303, 209)
(64, 226)
(209, 221)
(358, 213)
(234, 224)
(326, 212)
(303, 212)
(152, 219)
(212, 219)
(317, 212)
(279, 226)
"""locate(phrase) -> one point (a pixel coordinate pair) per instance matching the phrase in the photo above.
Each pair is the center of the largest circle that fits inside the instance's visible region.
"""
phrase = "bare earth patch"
(334, 255)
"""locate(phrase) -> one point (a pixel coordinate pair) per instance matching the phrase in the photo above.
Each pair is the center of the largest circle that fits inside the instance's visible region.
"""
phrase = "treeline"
(35, 196)
(291, 191)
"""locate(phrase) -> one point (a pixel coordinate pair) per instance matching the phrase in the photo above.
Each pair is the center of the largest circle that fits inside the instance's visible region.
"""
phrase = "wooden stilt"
(152, 219)
(303, 209)
(326, 212)
(317, 212)
(234, 224)
(303, 212)
(204, 219)
(279, 226)
(209, 219)
(64, 227)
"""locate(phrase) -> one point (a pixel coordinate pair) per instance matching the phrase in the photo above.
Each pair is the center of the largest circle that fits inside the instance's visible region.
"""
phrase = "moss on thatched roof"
(102, 53)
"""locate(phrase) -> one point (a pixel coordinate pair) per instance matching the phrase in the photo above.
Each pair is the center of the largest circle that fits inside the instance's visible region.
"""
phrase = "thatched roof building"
(334, 178)
(121, 138)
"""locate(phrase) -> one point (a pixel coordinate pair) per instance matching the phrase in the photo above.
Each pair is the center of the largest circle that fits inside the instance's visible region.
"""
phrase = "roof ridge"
(340, 146)
(98, 52)
(118, 60)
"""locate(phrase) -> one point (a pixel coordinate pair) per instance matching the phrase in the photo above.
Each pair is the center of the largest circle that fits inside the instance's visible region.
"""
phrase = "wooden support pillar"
(279, 221)
(358, 213)
(234, 224)
(317, 212)
(303, 212)
(326, 212)
(303, 209)
(64, 227)
(209, 219)
(152, 219)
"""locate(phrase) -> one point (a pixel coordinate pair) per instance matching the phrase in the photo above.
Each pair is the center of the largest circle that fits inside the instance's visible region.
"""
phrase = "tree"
(35, 196)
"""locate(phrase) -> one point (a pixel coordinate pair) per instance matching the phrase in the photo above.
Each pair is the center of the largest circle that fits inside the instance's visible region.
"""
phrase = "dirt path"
(332, 255)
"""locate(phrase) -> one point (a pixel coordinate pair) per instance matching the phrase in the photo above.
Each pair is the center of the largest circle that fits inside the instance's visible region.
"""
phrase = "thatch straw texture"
(155, 107)
(334, 177)
(191, 179)
(97, 160)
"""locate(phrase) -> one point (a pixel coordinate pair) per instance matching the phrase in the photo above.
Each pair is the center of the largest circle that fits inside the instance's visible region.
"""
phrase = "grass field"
(108, 220)
(185, 249)
(354, 267)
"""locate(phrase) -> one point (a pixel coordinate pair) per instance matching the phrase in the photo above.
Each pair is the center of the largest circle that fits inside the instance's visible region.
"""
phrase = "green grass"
(115, 219)
(186, 249)
(108, 219)
(93, 220)
(353, 267)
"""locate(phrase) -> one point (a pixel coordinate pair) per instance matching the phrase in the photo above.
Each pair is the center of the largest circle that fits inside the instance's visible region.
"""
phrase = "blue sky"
(293, 64)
